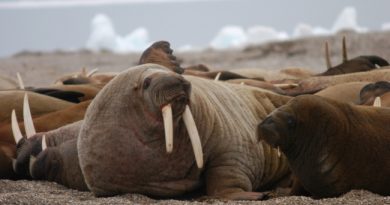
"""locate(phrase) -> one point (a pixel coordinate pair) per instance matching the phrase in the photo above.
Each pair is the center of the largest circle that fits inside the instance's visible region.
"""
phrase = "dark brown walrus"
(332, 147)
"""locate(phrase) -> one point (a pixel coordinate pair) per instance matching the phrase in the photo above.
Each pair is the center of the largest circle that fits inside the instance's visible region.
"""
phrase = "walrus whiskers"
(28, 122)
(15, 128)
(194, 136)
(168, 127)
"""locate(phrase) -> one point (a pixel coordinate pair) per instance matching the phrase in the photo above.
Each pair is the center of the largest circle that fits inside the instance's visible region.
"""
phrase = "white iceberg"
(385, 26)
(263, 34)
(229, 37)
(104, 37)
(347, 20)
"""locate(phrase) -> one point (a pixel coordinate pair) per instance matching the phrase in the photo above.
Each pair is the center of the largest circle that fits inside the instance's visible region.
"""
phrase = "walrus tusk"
(15, 128)
(327, 56)
(345, 55)
(168, 127)
(44, 145)
(286, 85)
(20, 81)
(377, 102)
(28, 122)
(93, 71)
(278, 151)
(31, 164)
(194, 136)
(217, 77)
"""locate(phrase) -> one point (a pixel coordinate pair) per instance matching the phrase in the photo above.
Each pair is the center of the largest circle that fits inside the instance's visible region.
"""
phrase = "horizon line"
(31, 4)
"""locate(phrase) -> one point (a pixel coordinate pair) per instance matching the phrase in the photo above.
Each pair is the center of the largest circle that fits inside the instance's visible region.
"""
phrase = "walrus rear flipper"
(161, 53)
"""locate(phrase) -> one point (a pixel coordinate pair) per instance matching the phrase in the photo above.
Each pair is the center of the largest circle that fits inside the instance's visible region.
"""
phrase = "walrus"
(370, 91)
(40, 104)
(314, 84)
(138, 132)
(357, 64)
(344, 92)
(332, 147)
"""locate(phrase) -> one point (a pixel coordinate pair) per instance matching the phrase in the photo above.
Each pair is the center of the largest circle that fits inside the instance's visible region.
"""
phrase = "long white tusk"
(168, 127)
(194, 136)
(20, 81)
(217, 77)
(44, 145)
(15, 128)
(28, 122)
(278, 152)
(377, 102)
(93, 71)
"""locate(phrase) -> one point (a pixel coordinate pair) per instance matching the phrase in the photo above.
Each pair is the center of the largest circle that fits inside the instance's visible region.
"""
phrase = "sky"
(37, 26)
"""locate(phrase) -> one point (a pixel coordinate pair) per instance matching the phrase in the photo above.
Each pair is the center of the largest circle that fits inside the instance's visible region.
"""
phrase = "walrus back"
(234, 111)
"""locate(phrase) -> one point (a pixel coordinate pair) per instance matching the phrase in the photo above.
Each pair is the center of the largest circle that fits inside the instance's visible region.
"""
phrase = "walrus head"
(289, 129)
(369, 92)
(126, 141)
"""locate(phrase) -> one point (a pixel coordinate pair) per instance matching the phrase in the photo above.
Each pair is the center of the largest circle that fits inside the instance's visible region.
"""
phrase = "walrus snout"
(276, 128)
(267, 131)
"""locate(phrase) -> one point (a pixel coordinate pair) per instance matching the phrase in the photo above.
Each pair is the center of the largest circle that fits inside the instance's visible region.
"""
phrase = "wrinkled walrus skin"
(121, 145)
(332, 147)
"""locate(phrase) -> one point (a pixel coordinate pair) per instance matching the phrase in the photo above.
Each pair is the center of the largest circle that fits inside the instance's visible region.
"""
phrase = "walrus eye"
(291, 122)
(146, 83)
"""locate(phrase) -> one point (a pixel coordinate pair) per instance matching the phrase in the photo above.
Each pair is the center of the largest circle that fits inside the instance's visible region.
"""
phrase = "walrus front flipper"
(28, 149)
(227, 183)
(60, 164)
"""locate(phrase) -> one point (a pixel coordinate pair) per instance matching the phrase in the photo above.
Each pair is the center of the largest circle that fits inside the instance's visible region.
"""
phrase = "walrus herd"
(168, 131)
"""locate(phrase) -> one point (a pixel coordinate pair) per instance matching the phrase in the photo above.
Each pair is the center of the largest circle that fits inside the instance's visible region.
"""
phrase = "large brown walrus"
(155, 132)
(332, 147)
